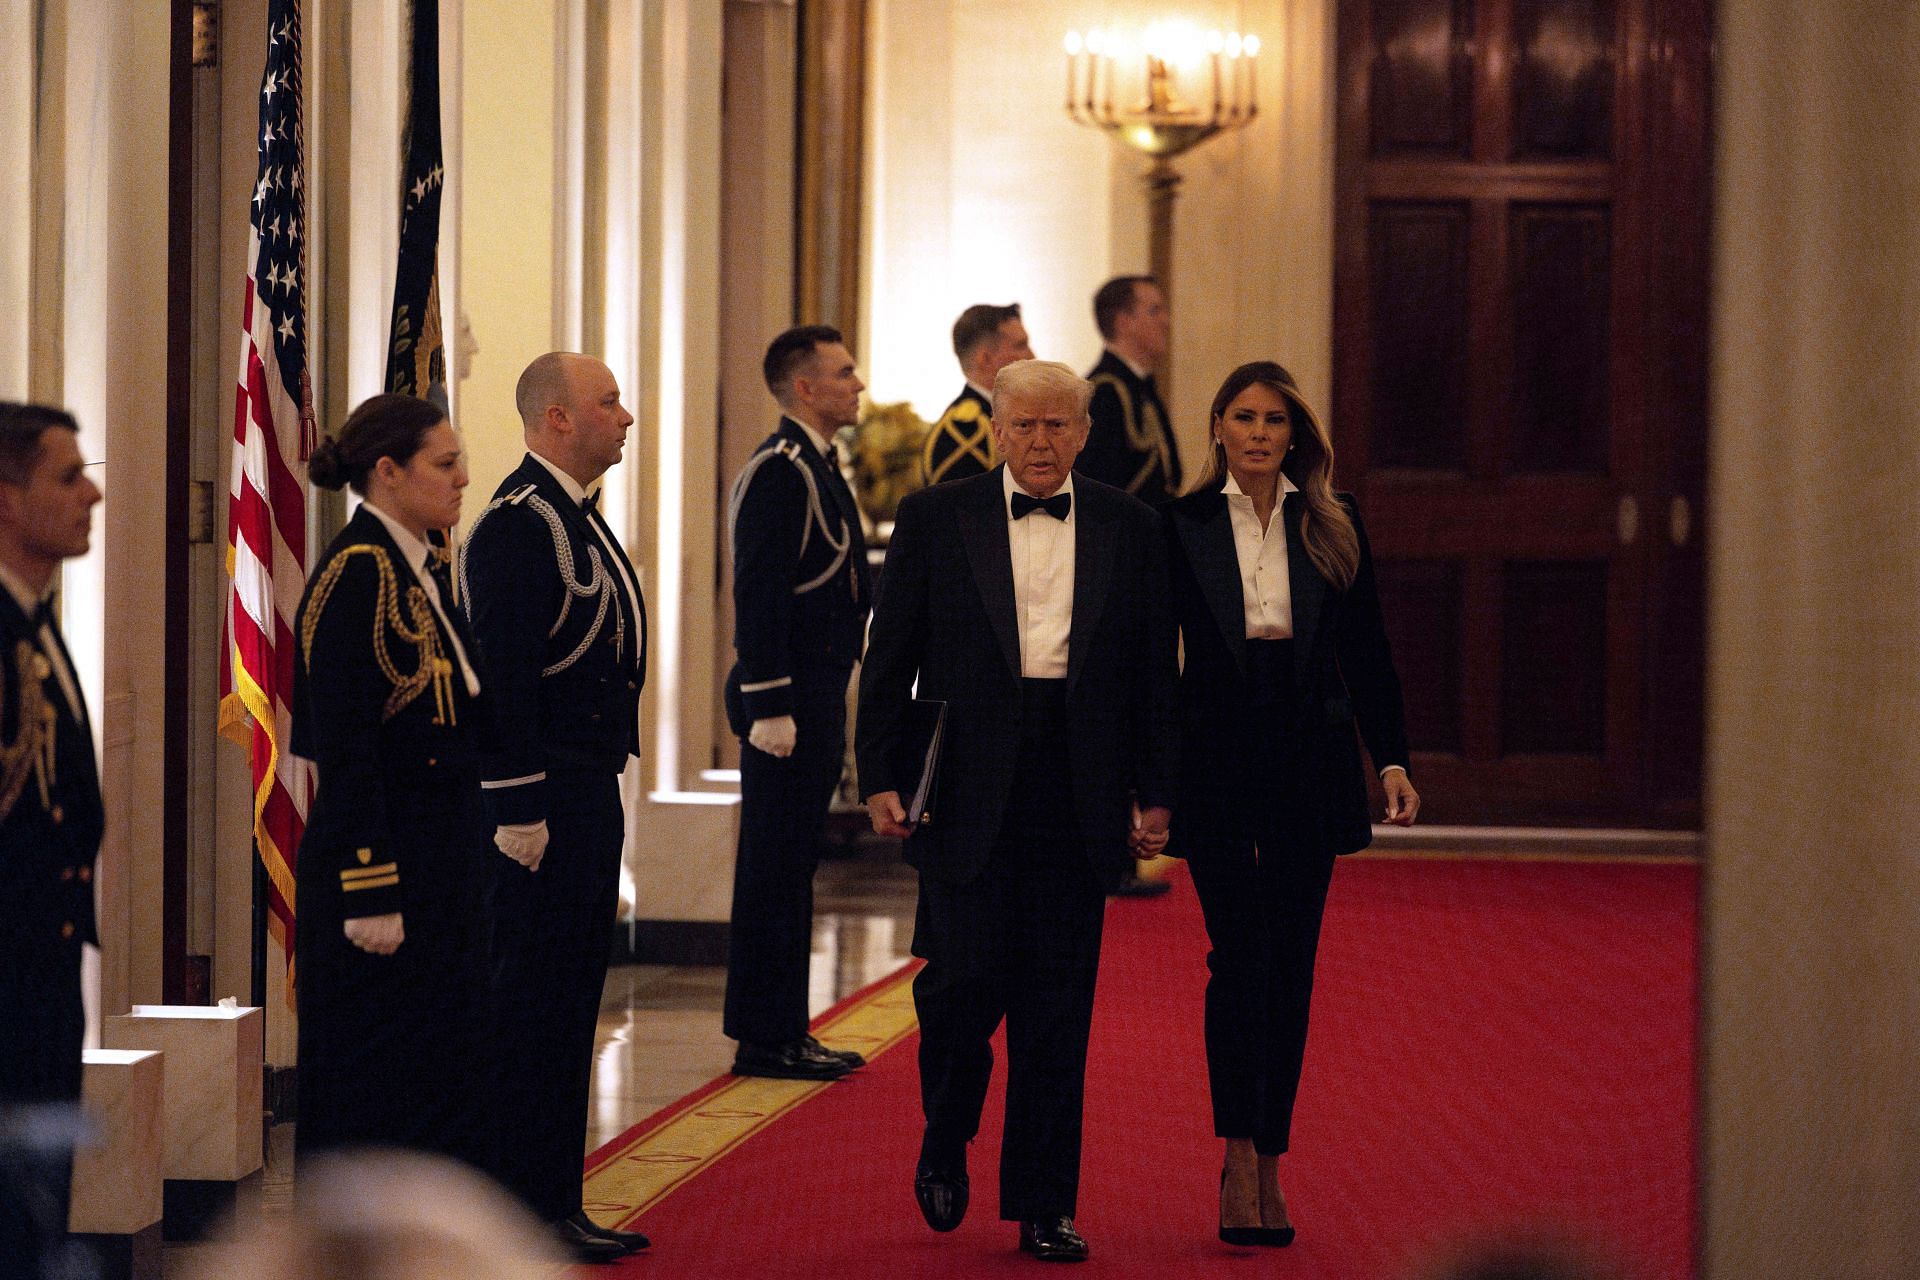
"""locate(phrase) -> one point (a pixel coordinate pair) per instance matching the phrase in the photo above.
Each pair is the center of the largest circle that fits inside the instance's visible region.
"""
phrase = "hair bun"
(324, 466)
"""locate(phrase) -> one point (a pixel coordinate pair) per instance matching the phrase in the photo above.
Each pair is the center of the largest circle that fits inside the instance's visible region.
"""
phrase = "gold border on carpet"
(663, 1159)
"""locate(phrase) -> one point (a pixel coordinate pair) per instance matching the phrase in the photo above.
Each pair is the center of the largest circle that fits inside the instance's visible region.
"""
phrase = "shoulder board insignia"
(519, 495)
(967, 410)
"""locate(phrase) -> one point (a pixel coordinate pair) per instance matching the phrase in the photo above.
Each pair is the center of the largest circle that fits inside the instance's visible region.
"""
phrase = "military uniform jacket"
(1130, 445)
(381, 706)
(801, 588)
(50, 812)
(563, 643)
(961, 443)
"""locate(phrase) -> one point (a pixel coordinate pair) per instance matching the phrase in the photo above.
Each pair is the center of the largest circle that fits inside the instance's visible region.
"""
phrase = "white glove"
(378, 935)
(774, 735)
(524, 842)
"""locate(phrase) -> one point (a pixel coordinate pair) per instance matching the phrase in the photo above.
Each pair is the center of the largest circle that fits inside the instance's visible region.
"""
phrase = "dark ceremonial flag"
(416, 351)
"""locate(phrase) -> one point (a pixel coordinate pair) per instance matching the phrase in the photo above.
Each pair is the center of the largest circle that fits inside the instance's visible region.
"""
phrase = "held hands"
(524, 842)
(774, 735)
(1403, 802)
(1149, 836)
(888, 815)
(377, 935)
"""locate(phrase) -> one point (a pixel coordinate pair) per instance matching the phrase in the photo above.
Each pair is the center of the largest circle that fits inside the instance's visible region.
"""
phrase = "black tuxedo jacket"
(1130, 444)
(945, 618)
(565, 688)
(1343, 674)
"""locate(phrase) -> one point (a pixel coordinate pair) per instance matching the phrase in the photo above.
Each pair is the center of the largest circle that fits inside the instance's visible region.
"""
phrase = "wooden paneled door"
(1519, 402)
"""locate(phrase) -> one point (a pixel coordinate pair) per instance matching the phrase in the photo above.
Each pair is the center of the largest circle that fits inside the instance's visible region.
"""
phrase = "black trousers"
(1021, 942)
(1263, 891)
(783, 806)
(42, 1024)
(552, 935)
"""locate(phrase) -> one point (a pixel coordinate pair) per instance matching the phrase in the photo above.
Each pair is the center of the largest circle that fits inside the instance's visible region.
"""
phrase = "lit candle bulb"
(1074, 45)
(1253, 72)
(1215, 42)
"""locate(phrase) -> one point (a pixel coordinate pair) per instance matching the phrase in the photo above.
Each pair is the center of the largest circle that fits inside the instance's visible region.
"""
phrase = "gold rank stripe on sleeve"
(382, 876)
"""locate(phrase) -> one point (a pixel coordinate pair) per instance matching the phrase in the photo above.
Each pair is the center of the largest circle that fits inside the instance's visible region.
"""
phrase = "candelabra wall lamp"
(1162, 124)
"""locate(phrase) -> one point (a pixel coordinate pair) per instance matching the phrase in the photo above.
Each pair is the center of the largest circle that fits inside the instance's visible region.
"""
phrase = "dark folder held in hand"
(926, 723)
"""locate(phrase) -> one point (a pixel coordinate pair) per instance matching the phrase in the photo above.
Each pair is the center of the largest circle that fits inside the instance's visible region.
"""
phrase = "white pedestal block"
(213, 1082)
(117, 1173)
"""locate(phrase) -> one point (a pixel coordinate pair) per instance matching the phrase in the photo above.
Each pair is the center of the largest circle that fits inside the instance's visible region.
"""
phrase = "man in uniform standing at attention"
(800, 601)
(1131, 444)
(562, 631)
(986, 339)
(50, 826)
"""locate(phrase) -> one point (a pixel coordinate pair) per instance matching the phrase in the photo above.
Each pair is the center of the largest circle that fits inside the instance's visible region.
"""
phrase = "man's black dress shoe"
(586, 1246)
(794, 1060)
(1053, 1240)
(942, 1194)
(630, 1241)
(848, 1056)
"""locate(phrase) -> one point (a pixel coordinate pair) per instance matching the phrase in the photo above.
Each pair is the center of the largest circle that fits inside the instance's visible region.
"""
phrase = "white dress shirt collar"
(1232, 487)
(1139, 371)
(574, 489)
(820, 445)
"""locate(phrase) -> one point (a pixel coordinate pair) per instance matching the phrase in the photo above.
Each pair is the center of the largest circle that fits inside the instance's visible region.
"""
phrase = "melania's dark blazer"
(946, 618)
(1343, 675)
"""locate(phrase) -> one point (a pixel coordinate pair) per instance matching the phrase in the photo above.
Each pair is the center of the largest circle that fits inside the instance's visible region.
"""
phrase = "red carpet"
(1495, 1045)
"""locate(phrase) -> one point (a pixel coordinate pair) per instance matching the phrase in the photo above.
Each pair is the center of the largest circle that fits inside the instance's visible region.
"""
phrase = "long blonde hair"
(1325, 527)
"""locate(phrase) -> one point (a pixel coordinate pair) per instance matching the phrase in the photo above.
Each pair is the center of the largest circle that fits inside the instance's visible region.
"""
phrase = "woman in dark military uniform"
(390, 957)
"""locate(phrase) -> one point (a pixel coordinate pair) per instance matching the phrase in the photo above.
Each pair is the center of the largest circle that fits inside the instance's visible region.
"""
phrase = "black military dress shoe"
(794, 1060)
(848, 1056)
(585, 1246)
(942, 1193)
(631, 1241)
(1052, 1240)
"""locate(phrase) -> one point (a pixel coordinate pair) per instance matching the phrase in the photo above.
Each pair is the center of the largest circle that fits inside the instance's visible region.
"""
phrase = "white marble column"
(1811, 1138)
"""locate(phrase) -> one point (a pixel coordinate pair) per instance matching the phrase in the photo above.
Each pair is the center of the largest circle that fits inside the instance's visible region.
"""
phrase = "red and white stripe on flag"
(267, 501)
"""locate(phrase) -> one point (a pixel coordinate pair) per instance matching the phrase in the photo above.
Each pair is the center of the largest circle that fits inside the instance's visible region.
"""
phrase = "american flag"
(273, 434)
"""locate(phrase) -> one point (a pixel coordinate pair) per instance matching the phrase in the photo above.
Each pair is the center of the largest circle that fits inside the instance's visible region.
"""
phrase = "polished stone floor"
(659, 1037)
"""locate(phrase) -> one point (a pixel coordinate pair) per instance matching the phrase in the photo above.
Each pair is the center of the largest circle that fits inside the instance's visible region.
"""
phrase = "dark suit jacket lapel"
(1215, 557)
(1308, 588)
(982, 515)
(1092, 575)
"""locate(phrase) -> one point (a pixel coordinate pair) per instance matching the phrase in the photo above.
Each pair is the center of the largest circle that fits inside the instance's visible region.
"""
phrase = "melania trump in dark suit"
(391, 954)
(1273, 589)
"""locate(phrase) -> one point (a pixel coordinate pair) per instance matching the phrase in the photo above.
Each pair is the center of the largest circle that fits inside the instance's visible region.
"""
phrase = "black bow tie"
(43, 612)
(1057, 506)
(591, 502)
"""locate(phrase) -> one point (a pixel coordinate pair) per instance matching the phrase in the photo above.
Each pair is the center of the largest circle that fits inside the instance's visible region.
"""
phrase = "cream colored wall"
(982, 190)
(114, 360)
(506, 220)
(1812, 990)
